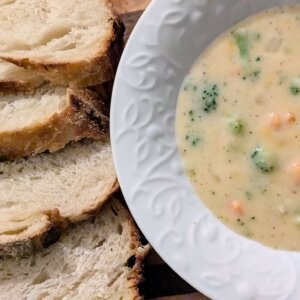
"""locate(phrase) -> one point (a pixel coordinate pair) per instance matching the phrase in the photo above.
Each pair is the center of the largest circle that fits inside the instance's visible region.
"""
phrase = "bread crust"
(13, 82)
(46, 236)
(14, 86)
(141, 251)
(52, 229)
(97, 206)
(85, 72)
(85, 116)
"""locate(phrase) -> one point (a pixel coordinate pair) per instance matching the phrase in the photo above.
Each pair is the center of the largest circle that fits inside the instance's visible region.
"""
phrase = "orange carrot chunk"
(236, 207)
(290, 118)
(275, 120)
(294, 170)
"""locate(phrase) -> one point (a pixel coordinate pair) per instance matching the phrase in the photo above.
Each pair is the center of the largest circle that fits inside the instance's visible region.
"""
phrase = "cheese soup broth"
(238, 127)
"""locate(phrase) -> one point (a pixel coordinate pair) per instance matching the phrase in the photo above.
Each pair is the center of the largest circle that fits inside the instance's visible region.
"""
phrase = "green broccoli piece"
(263, 160)
(209, 97)
(237, 126)
(295, 86)
(189, 85)
(294, 90)
(193, 139)
(241, 38)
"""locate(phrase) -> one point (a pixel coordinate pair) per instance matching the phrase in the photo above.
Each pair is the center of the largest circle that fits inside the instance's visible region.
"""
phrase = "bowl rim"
(203, 251)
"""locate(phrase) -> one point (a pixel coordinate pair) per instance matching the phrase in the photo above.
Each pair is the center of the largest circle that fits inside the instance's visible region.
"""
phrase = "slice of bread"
(42, 194)
(75, 43)
(49, 118)
(98, 259)
(14, 79)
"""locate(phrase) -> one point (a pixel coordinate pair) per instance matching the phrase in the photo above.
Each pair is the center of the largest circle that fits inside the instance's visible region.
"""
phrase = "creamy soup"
(238, 127)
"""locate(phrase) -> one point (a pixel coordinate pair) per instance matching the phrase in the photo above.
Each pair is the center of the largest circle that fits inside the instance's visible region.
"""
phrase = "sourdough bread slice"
(41, 194)
(98, 259)
(49, 118)
(14, 79)
(69, 42)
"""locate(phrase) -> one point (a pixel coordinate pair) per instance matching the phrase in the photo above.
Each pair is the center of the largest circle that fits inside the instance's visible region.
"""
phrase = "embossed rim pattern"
(216, 261)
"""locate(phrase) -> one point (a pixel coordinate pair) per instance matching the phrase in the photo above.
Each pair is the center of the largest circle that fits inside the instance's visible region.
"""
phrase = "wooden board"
(161, 283)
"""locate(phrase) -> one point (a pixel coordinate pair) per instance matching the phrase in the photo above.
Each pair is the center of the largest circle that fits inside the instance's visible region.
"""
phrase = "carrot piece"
(236, 207)
(290, 117)
(295, 172)
(275, 120)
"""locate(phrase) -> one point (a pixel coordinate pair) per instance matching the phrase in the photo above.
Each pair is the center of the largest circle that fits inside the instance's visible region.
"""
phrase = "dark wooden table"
(161, 283)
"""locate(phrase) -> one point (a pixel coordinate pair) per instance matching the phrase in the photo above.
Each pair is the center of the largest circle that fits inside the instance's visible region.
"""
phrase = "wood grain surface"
(161, 283)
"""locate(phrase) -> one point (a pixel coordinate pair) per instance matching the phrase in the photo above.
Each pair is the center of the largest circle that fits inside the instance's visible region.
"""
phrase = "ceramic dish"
(215, 260)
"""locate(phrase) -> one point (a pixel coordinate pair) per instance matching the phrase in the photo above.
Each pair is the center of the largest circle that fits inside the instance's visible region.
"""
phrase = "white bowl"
(215, 260)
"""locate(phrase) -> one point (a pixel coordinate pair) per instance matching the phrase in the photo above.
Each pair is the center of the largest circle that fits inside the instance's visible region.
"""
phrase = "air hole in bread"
(42, 277)
(115, 279)
(131, 262)
(51, 237)
(19, 169)
(44, 254)
(99, 244)
(120, 229)
(7, 276)
(32, 262)
(114, 211)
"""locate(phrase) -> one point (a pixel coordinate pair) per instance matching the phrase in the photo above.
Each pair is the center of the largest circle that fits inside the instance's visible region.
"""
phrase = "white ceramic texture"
(216, 261)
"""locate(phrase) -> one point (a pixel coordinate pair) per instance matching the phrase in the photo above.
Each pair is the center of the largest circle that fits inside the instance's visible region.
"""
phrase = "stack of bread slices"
(62, 236)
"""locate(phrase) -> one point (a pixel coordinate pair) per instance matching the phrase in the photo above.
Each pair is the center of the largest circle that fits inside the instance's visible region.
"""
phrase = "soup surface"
(238, 127)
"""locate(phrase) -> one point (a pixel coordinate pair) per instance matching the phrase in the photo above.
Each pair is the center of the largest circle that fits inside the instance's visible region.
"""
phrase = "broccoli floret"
(241, 38)
(193, 139)
(237, 126)
(189, 85)
(294, 90)
(263, 160)
(295, 86)
(209, 97)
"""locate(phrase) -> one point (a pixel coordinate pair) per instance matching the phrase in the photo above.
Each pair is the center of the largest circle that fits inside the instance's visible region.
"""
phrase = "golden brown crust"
(15, 86)
(98, 205)
(136, 277)
(85, 116)
(141, 251)
(88, 114)
(44, 238)
(85, 72)
(52, 229)
(95, 209)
